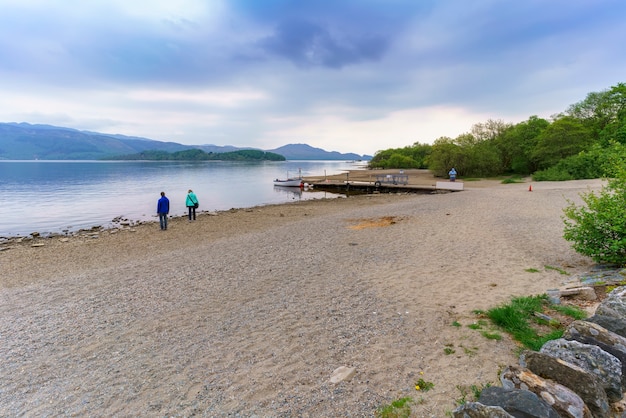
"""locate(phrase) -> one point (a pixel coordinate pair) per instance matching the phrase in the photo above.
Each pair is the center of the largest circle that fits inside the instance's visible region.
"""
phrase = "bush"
(598, 230)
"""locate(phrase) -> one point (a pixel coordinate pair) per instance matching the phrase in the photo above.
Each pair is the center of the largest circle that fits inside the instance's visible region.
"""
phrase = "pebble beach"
(248, 312)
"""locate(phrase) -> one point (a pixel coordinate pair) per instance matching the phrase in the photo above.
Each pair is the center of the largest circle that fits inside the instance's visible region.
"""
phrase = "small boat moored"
(290, 181)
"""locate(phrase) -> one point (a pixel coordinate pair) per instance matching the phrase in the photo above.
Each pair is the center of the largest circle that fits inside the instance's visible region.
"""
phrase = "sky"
(354, 76)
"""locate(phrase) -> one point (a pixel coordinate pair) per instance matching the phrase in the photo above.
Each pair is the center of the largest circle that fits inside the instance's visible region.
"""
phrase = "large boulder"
(592, 359)
(519, 403)
(591, 333)
(615, 304)
(587, 385)
(613, 324)
(562, 399)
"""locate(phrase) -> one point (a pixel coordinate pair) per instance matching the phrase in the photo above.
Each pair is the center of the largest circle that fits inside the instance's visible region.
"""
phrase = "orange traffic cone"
(530, 188)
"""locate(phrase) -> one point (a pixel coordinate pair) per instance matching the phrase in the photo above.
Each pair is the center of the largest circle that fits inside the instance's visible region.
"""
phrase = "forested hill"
(199, 155)
(24, 141)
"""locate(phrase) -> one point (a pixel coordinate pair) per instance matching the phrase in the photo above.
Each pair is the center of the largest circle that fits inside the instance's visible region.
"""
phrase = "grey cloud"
(308, 44)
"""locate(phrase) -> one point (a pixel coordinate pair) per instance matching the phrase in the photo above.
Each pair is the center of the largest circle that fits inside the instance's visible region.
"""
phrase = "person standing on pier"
(452, 174)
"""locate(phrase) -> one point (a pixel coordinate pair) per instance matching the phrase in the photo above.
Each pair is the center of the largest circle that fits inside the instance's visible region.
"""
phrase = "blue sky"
(342, 75)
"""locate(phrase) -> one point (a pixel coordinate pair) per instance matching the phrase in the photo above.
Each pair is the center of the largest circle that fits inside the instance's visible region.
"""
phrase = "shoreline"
(249, 311)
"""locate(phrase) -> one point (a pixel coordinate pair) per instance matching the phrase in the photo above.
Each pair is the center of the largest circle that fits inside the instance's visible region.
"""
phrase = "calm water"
(64, 196)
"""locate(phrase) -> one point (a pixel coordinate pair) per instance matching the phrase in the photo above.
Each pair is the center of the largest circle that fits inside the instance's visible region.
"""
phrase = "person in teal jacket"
(163, 208)
(192, 204)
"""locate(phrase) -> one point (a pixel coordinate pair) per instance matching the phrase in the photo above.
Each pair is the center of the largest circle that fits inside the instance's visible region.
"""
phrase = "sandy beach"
(247, 313)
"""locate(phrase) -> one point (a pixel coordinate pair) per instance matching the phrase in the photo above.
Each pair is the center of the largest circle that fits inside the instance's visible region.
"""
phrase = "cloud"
(307, 44)
(351, 74)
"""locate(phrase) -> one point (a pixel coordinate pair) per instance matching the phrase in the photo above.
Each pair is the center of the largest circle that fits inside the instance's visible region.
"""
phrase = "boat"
(290, 181)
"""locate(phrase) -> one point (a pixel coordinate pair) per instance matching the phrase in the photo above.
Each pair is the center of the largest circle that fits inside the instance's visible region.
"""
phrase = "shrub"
(598, 230)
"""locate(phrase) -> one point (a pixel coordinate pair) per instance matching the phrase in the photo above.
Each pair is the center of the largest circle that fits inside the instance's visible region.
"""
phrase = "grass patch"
(532, 270)
(423, 385)
(456, 324)
(400, 408)
(571, 311)
(470, 351)
(448, 350)
(478, 325)
(512, 179)
(561, 271)
(517, 318)
(491, 335)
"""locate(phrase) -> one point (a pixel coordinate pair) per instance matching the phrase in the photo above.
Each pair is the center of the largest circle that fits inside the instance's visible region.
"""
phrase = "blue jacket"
(163, 205)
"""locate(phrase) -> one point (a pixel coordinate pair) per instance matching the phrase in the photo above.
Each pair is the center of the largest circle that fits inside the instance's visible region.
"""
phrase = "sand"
(248, 312)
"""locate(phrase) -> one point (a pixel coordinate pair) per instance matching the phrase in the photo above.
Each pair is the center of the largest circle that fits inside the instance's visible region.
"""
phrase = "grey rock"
(614, 305)
(562, 399)
(592, 359)
(590, 333)
(519, 403)
(478, 410)
(613, 324)
(587, 385)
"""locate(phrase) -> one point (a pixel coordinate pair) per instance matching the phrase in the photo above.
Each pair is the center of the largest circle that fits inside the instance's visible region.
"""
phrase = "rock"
(614, 305)
(590, 333)
(519, 403)
(342, 374)
(592, 359)
(38, 244)
(35, 234)
(478, 410)
(562, 399)
(583, 292)
(587, 385)
(613, 324)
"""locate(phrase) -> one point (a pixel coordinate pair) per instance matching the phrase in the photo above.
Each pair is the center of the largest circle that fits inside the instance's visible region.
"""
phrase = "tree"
(566, 136)
(517, 144)
(445, 155)
(598, 230)
(602, 112)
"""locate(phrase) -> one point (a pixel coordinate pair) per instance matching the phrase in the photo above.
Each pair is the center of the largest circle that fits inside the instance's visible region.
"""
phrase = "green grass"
(456, 324)
(532, 270)
(448, 350)
(491, 335)
(517, 319)
(571, 311)
(400, 408)
(423, 385)
(556, 269)
(513, 179)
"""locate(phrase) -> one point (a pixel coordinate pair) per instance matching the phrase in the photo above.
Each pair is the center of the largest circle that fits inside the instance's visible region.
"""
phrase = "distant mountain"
(23, 141)
(307, 152)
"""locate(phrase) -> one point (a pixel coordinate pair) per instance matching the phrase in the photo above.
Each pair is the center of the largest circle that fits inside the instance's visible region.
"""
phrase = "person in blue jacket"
(163, 208)
(192, 204)
(452, 174)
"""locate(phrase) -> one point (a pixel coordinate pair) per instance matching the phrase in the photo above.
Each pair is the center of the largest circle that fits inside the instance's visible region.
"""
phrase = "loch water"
(52, 197)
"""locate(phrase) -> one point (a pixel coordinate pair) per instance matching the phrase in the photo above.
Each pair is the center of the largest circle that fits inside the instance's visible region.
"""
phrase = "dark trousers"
(192, 212)
(163, 220)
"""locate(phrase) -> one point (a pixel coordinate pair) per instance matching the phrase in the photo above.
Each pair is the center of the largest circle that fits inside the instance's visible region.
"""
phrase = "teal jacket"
(191, 199)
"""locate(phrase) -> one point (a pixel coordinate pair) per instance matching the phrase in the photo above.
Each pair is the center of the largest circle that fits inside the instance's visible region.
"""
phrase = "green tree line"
(574, 144)
(199, 155)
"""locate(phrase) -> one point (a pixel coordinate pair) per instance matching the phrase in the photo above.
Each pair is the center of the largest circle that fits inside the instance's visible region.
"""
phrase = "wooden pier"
(383, 181)
(360, 187)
